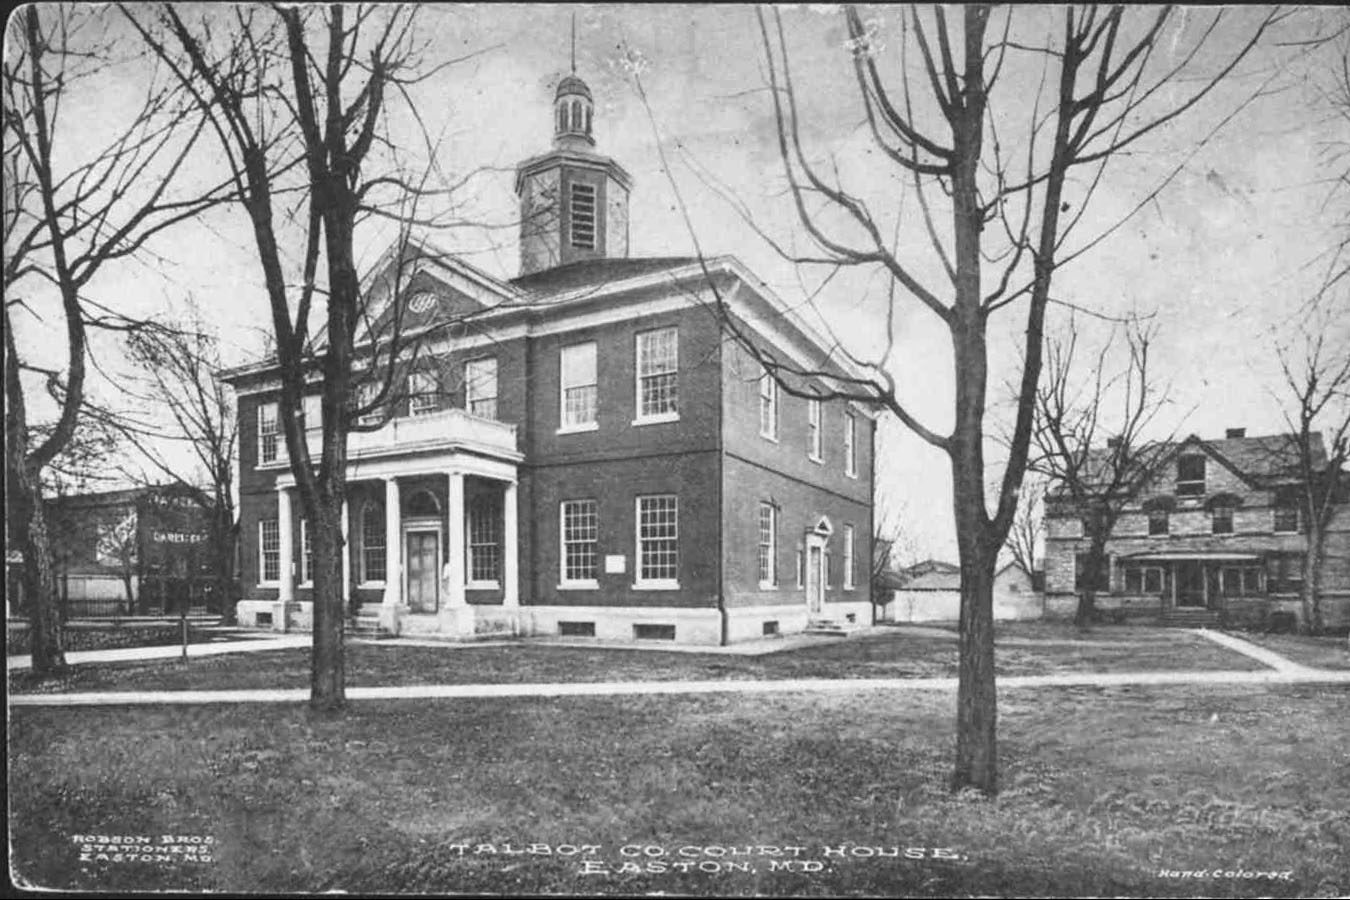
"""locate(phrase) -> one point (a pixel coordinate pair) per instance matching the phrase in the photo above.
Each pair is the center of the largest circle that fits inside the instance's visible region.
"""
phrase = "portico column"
(510, 550)
(454, 550)
(346, 556)
(393, 544)
(286, 552)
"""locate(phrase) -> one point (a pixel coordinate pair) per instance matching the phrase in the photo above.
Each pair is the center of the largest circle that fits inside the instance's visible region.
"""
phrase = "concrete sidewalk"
(649, 688)
(169, 651)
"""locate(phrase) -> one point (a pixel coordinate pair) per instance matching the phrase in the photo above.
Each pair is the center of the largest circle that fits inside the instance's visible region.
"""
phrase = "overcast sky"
(1223, 258)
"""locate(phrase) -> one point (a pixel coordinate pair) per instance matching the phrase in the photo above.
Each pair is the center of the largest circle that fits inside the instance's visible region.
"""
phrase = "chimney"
(1235, 433)
(1113, 442)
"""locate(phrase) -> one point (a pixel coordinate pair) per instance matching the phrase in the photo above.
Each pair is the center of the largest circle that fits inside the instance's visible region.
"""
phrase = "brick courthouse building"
(595, 456)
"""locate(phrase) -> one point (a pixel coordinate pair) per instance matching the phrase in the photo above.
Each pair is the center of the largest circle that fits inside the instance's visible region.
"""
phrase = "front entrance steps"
(830, 626)
(1190, 616)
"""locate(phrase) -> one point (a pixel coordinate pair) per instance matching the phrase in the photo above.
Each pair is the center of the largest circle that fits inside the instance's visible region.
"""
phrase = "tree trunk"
(976, 701)
(327, 675)
(1310, 592)
(1086, 614)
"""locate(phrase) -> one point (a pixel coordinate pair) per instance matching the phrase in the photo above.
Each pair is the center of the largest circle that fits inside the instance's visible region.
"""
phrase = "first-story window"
(485, 547)
(801, 569)
(1285, 573)
(267, 432)
(372, 543)
(580, 531)
(306, 553)
(658, 540)
(768, 545)
(1081, 581)
(1240, 581)
(848, 557)
(269, 550)
(480, 387)
(1143, 580)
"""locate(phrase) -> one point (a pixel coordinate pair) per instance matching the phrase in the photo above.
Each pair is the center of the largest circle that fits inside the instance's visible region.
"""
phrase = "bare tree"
(73, 206)
(1028, 526)
(118, 545)
(298, 99)
(180, 363)
(1318, 415)
(1013, 198)
(1076, 413)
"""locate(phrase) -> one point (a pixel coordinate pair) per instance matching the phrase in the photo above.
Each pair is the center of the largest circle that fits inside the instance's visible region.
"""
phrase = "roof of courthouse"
(597, 273)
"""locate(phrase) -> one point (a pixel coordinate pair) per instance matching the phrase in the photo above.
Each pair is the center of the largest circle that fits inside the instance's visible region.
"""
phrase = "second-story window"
(1221, 519)
(583, 215)
(421, 393)
(1286, 509)
(813, 428)
(768, 407)
(1157, 521)
(578, 386)
(267, 432)
(480, 387)
(850, 445)
(1191, 475)
(657, 364)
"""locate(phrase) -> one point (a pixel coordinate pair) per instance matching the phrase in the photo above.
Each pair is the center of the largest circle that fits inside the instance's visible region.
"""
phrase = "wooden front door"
(423, 579)
(1190, 585)
(814, 579)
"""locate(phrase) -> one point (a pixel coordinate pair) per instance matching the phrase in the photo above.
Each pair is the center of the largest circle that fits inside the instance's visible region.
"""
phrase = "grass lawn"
(1321, 652)
(880, 654)
(1104, 789)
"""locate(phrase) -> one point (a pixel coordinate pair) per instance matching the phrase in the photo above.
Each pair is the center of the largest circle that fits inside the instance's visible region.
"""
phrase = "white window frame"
(365, 394)
(848, 558)
(274, 433)
(1192, 487)
(262, 551)
(592, 424)
(421, 393)
(768, 403)
(577, 190)
(672, 415)
(306, 555)
(801, 568)
(382, 531)
(574, 584)
(471, 398)
(482, 506)
(656, 584)
(771, 545)
(850, 445)
(814, 421)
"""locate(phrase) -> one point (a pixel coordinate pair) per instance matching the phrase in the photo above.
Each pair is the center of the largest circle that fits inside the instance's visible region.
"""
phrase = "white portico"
(435, 524)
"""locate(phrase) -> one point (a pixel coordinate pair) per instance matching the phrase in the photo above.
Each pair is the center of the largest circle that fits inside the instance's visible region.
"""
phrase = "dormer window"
(583, 215)
(1190, 475)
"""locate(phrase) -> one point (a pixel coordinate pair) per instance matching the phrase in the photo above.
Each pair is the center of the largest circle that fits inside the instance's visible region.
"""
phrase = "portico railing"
(444, 429)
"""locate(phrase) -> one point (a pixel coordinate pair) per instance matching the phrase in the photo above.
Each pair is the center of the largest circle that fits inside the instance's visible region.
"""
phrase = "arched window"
(423, 505)
(372, 542)
(576, 115)
(562, 117)
(587, 111)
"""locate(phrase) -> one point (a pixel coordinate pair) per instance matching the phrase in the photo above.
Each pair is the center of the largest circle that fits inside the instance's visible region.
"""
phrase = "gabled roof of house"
(934, 581)
(1258, 461)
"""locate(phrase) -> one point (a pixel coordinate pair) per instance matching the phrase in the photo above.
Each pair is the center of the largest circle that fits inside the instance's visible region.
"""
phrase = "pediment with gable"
(821, 527)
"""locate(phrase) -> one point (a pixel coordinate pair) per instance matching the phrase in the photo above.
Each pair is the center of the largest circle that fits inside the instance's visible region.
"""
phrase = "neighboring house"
(595, 456)
(930, 591)
(1217, 535)
(126, 552)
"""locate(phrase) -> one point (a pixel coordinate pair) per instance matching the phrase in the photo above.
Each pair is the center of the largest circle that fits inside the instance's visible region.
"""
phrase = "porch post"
(346, 556)
(454, 550)
(393, 544)
(510, 551)
(286, 535)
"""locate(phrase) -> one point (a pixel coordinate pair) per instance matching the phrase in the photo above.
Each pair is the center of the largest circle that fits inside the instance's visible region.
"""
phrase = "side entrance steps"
(829, 626)
(1190, 617)
(366, 625)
